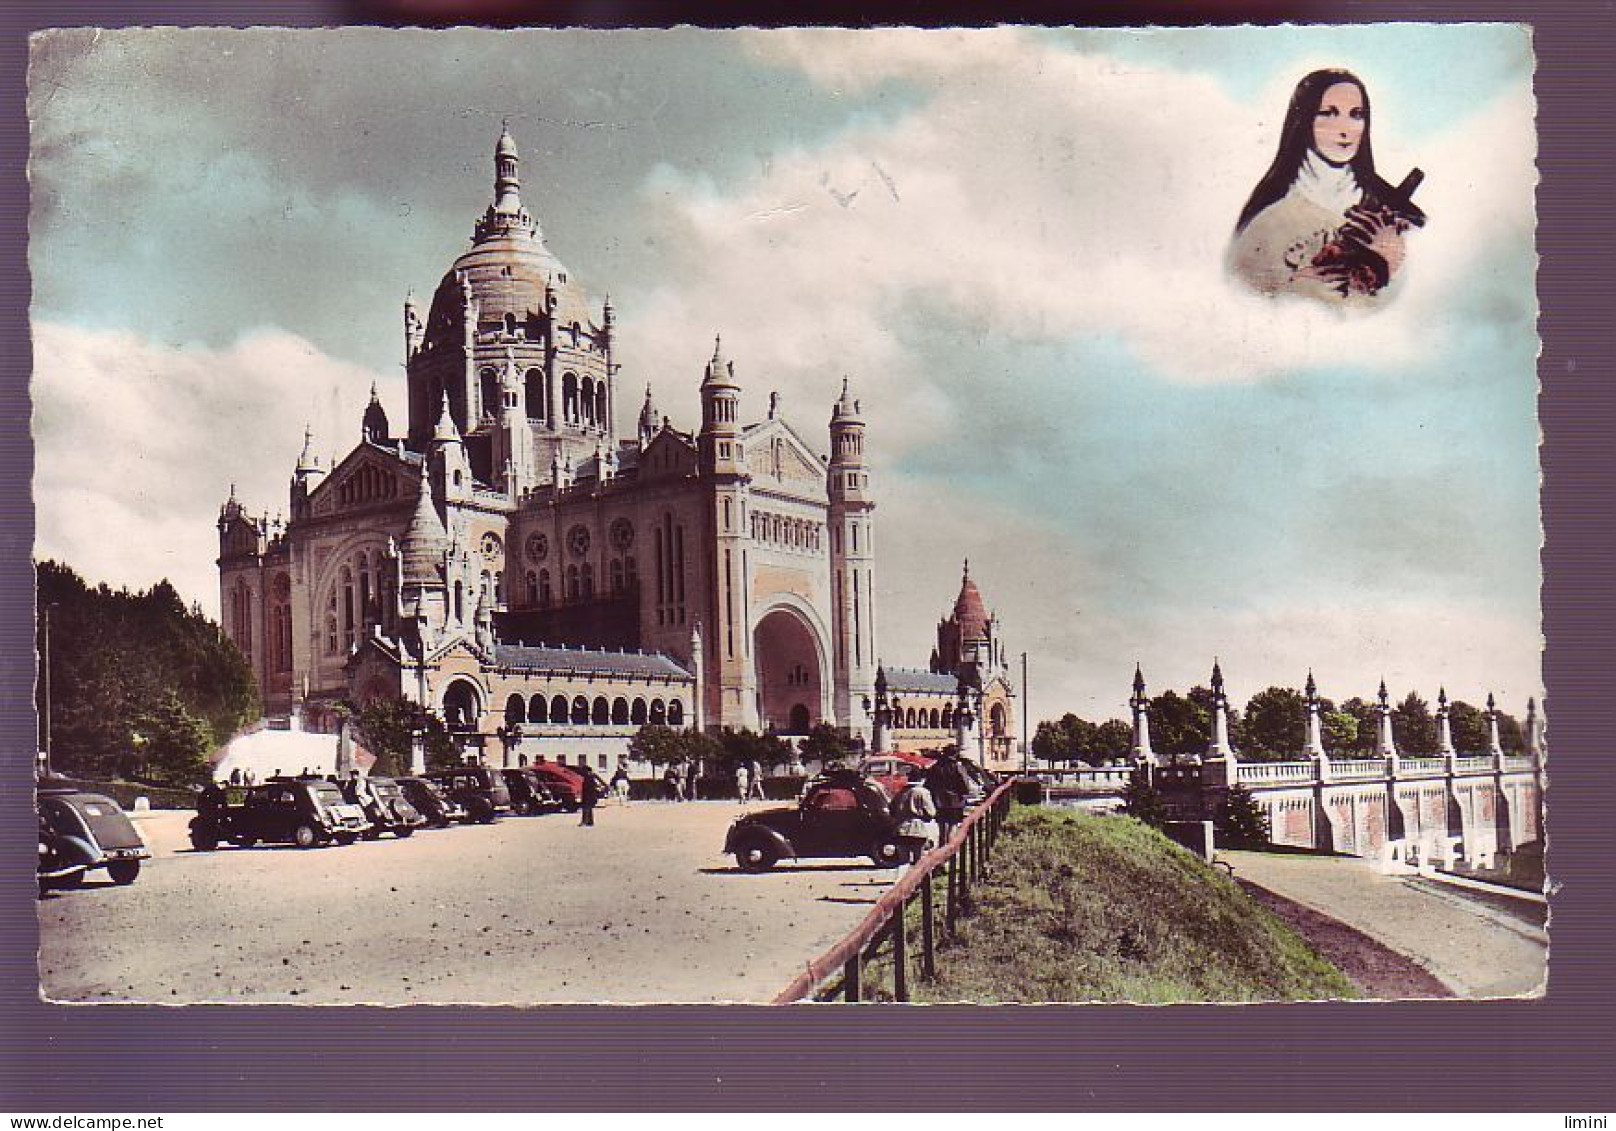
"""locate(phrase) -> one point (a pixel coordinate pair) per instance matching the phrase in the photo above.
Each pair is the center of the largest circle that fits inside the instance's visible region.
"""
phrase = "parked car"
(437, 808)
(893, 770)
(301, 811)
(81, 832)
(386, 808)
(481, 791)
(529, 793)
(838, 815)
(564, 783)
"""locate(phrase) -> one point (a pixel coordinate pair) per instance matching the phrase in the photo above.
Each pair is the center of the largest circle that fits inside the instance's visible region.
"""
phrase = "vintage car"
(893, 770)
(840, 815)
(565, 783)
(80, 832)
(480, 791)
(300, 811)
(529, 793)
(437, 808)
(386, 808)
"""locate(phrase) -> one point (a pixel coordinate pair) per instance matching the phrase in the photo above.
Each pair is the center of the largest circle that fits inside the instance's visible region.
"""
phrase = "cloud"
(137, 445)
(1049, 194)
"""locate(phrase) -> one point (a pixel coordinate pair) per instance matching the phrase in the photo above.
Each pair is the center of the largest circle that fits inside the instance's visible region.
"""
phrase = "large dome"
(507, 269)
(970, 613)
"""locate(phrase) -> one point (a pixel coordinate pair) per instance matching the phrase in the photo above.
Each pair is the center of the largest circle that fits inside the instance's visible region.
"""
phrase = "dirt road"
(641, 908)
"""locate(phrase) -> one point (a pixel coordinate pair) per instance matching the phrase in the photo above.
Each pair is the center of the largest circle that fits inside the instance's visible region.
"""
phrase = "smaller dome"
(424, 541)
(970, 614)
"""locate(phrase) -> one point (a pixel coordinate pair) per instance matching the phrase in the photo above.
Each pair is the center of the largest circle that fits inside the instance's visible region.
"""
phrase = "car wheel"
(204, 842)
(124, 872)
(370, 834)
(403, 832)
(349, 838)
(573, 806)
(304, 836)
(758, 856)
(887, 854)
(481, 811)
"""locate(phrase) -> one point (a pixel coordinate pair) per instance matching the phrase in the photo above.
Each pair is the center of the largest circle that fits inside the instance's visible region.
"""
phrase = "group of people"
(927, 809)
(679, 781)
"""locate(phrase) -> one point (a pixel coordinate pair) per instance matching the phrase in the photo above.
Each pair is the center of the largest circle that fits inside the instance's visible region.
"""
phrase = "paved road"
(1472, 949)
(641, 908)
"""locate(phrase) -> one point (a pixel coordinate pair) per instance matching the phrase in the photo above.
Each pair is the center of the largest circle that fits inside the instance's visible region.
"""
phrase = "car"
(564, 783)
(437, 808)
(894, 770)
(529, 793)
(840, 814)
(301, 811)
(386, 808)
(480, 791)
(81, 832)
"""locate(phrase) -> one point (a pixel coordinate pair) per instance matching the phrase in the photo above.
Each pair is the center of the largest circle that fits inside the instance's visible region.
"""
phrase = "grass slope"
(1089, 908)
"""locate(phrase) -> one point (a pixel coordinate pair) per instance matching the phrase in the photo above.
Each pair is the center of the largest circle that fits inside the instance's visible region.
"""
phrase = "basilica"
(513, 562)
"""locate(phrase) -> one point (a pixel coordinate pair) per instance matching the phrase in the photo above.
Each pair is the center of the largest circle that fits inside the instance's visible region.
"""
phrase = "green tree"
(1244, 823)
(172, 744)
(825, 743)
(1144, 802)
(663, 746)
(115, 657)
(1468, 725)
(384, 727)
(1275, 725)
(1367, 720)
(1413, 727)
(736, 746)
(1062, 740)
(1180, 727)
(1340, 731)
(1112, 741)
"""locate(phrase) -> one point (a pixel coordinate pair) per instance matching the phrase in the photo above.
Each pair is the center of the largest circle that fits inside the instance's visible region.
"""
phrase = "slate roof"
(913, 679)
(585, 660)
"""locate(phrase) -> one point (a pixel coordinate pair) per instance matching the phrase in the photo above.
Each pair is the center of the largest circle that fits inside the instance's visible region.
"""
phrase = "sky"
(1010, 240)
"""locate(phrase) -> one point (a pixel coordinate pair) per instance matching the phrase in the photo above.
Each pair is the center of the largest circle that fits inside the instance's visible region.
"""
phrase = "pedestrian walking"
(743, 781)
(756, 775)
(594, 790)
(620, 785)
(692, 780)
(916, 814)
(670, 782)
(949, 786)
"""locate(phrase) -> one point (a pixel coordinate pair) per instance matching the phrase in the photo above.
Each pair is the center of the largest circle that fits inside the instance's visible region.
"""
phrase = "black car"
(80, 832)
(479, 790)
(437, 808)
(835, 817)
(385, 807)
(300, 811)
(529, 794)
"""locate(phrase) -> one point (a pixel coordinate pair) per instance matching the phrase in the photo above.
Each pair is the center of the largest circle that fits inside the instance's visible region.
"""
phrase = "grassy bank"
(1088, 908)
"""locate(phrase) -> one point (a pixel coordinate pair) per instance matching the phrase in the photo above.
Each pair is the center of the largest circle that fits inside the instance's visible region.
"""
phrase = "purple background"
(1540, 1056)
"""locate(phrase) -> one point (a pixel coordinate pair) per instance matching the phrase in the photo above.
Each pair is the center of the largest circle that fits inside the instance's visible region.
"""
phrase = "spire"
(720, 371)
(1138, 682)
(847, 408)
(1381, 694)
(308, 461)
(650, 419)
(374, 426)
(447, 432)
(1311, 688)
(425, 540)
(1217, 678)
(507, 182)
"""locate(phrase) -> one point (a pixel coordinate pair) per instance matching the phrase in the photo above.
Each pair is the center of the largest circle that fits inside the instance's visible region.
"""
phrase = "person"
(235, 776)
(743, 781)
(670, 782)
(756, 778)
(1321, 222)
(620, 784)
(949, 787)
(692, 779)
(594, 790)
(916, 814)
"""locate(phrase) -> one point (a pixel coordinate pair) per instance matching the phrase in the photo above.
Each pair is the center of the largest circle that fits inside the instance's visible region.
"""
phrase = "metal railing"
(962, 860)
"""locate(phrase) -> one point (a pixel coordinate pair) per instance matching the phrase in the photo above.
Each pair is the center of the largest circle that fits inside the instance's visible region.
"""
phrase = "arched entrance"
(462, 705)
(790, 675)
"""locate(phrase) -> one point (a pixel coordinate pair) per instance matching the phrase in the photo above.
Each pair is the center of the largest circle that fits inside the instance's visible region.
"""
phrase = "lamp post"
(1026, 708)
(47, 682)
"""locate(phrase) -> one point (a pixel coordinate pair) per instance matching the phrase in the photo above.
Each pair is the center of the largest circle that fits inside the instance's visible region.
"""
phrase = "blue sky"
(1010, 240)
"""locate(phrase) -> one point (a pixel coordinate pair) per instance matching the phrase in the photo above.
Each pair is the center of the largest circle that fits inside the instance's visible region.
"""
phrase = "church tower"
(852, 563)
(731, 686)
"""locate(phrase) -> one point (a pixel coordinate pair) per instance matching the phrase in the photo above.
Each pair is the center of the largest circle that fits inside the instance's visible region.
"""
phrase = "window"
(601, 713)
(536, 712)
(558, 709)
(580, 711)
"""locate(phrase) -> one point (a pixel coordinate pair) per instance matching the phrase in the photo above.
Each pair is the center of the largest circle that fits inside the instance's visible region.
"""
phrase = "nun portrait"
(1321, 222)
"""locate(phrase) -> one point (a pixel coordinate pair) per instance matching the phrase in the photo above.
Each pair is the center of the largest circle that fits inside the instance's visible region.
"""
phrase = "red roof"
(970, 614)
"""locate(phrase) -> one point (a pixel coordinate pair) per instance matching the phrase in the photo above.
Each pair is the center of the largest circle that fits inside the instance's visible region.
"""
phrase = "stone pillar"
(417, 753)
(1444, 725)
(1315, 731)
(698, 711)
(1220, 749)
(962, 721)
(880, 737)
(1143, 755)
(344, 761)
(1495, 746)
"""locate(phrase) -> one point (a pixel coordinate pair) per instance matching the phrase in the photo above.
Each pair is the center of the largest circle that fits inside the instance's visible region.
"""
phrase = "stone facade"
(735, 560)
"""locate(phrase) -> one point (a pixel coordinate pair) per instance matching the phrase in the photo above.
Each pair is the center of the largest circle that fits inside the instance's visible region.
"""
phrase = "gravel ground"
(642, 908)
(1471, 948)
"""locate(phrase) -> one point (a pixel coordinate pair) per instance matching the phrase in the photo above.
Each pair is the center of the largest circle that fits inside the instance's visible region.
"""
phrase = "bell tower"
(731, 686)
(852, 563)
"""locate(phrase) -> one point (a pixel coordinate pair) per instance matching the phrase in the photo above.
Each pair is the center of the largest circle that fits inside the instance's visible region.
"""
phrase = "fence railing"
(962, 861)
(1276, 771)
(1359, 769)
(1422, 767)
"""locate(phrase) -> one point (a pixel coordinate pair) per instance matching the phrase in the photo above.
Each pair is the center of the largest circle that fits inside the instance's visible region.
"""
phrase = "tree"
(1367, 719)
(1340, 731)
(665, 746)
(1113, 741)
(116, 657)
(1061, 740)
(825, 744)
(173, 743)
(385, 727)
(1244, 822)
(1468, 726)
(1144, 802)
(1413, 728)
(736, 746)
(1276, 725)
(1180, 727)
